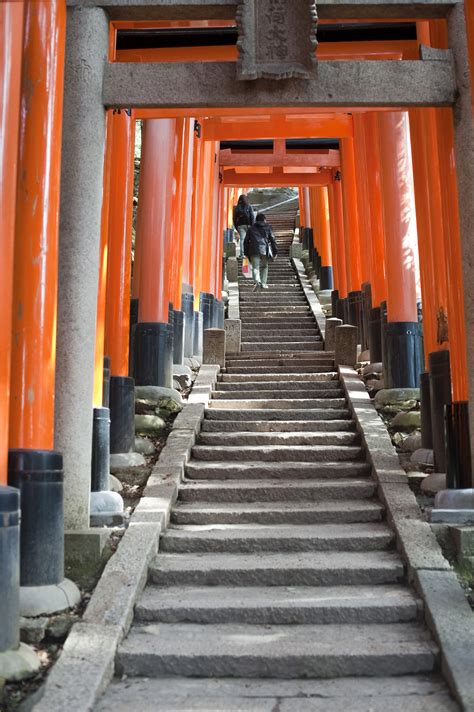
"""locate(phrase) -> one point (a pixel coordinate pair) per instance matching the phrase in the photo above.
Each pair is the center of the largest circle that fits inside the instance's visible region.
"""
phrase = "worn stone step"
(278, 453)
(295, 384)
(289, 538)
(325, 379)
(225, 470)
(331, 568)
(330, 512)
(277, 414)
(317, 358)
(278, 403)
(289, 320)
(266, 490)
(413, 693)
(287, 438)
(286, 339)
(283, 331)
(286, 393)
(282, 346)
(324, 651)
(346, 605)
(285, 368)
(276, 426)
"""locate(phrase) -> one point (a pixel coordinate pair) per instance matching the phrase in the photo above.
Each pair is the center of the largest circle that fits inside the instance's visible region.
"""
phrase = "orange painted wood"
(117, 324)
(36, 229)
(175, 245)
(351, 215)
(340, 252)
(153, 219)
(271, 125)
(11, 47)
(187, 276)
(275, 178)
(323, 159)
(197, 223)
(399, 227)
(375, 207)
(363, 197)
(323, 226)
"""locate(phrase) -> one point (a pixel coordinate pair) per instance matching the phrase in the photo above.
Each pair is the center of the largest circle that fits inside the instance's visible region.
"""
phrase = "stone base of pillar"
(214, 347)
(454, 507)
(187, 305)
(375, 335)
(46, 600)
(326, 277)
(153, 354)
(198, 335)
(19, 664)
(403, 363)
(106, 509)
(179, 325)
(122, 414)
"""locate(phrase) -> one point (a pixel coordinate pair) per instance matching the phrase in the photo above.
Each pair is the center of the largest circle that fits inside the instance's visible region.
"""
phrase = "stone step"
(294, 384)
(283, 331)
(276, 426)
(278, 414)
(279, 403)
(286, 378)
(287, 438)
(277, 393)
(275, 469)
(316, 358)
(292, 321)
(324, 651)
(285, 368)
(289, 538)
(265, 490)
(286, 340)
(324, 512)
(414, 693)
(330, 568)
(278, 453)
(344, 605)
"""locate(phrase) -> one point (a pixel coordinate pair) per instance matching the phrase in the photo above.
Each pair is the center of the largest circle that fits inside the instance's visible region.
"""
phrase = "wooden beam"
(200, 85)
(328, 159)
(330, 125)
(276, 179)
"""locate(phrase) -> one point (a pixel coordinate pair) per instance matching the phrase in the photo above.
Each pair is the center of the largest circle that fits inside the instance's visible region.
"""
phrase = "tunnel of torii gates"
(379, 217)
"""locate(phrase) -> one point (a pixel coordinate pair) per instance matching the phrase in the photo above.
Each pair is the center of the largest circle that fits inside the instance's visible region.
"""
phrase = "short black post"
(187, 305)
(383, 323)
(334, 300)
(100, 465)
(38, 474)
(425, 402)
(178, 336)
(206, 300)
(220, 314)
(403, 354)
(153, 354)
(198, 334)
(440, 396)
(345, 310)
(106, 382)
(122, 414)
(354, 303)
(325, 277)
(375, 335)
(463, 443)
(10, 568)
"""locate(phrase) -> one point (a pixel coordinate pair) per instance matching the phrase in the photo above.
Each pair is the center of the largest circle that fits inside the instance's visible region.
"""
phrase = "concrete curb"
(86, 665)
(447, 612)
(313, 301)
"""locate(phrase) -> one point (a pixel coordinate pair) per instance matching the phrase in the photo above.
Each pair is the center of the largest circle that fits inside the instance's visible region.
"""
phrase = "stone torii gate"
(92, 84)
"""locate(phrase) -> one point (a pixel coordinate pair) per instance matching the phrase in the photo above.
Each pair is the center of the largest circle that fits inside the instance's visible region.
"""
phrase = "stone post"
(464, 148)
(79, 238)
(233, 331)
(346, 345)
(330, 340)
(214, 347)
(232, 269)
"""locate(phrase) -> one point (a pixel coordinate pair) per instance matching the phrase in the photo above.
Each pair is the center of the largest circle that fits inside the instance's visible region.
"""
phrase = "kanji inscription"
(277, 40)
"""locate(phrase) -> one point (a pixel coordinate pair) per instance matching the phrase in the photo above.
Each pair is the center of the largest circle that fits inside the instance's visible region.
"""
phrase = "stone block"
(345, 345)
(230, 249)
(214, 347)
(330, 342)
(233, 330)
(296, 250)
(464, 540)
(232, 269)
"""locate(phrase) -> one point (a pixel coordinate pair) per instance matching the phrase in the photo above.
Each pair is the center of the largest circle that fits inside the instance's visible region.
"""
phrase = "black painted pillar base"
(334, 301)
(345, 310)
(179, 323)
(220, 314)
(10, 565)
(354, 304)
(153, 354)
(122, 414)
(133, 323)
(440, 396)
(425, 403)
(215, 312)
(198, 334)
(187, 305)
(38, 474)
(404, 363)
(375, 335)
(366, 307)
(326, 280)
(106, 382)
(206, 307)
(100, 465)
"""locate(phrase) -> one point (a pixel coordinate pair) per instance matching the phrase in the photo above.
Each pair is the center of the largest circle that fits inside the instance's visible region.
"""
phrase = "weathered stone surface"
(214, 346)
(397, 396)
(149, 424)
(230, 249)
(372, 369)
(232, 269)
(330, 340)
(158, 395)
(411, 443)
(33, 630)
(407, 421)
(233, 331)
(144, 446)
(345, 352)
(364, 356)
(126, 461)
(433, 483)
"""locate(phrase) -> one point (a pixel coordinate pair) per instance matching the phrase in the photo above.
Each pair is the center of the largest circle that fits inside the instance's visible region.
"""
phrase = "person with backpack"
(243, 216)
(260, 247)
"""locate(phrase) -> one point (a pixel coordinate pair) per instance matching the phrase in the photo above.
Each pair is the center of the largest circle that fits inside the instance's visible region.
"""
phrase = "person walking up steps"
(260, 247)
(244, 217)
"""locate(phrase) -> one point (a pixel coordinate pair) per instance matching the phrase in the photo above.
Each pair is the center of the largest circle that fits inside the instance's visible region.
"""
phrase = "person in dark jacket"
(243, 216)
(260, 247)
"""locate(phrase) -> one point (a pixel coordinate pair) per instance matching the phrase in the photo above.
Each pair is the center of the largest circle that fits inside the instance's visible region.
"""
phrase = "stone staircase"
(278, 564)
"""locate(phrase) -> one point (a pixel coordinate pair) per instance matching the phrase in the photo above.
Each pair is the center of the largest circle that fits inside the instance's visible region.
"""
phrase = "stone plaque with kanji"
(277, 39)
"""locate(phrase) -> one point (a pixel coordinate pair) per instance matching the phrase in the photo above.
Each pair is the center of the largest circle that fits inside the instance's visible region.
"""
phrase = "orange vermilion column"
(176, 233)
(301, 206)
(398, 220)
(307, 207)
(351, 215)
(11, 40)
(375, 210)
(196, 220)
(207, 196)
(117, 323)
(36, 227)
(324, 232)
(186, 207)
(102, 288)
(340, 238)
(363, 196)
(153, 220)
(334, 240)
